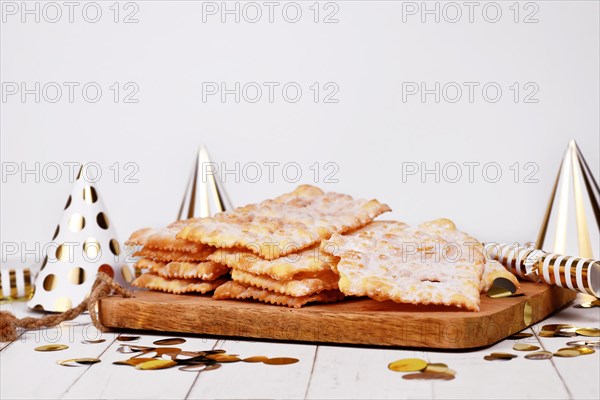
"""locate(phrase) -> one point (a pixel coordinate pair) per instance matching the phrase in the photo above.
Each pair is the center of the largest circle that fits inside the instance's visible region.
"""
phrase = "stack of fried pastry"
(309, 246)
(175, 265)
(272, 248)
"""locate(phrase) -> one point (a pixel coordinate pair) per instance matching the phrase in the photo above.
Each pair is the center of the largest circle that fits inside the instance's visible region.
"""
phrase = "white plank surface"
(324, 371)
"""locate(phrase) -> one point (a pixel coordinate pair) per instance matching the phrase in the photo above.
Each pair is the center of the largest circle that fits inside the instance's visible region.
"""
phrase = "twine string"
(103, 286)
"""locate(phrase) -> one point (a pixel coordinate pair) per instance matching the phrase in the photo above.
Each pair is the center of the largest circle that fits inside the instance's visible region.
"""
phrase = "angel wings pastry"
(433, 263)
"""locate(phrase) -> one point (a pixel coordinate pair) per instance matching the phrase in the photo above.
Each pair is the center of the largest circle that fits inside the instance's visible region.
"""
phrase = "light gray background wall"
(368, 133)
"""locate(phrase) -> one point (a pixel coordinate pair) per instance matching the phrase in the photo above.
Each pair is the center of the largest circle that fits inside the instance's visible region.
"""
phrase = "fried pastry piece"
(296, 287)
(287, 224)
(434, 263)
(150, 264)
(493, 269)
(306, 263)
(206, 270)
(168, 255)
(176, 286)
(139, 237)
(165, 238)
(236, 290)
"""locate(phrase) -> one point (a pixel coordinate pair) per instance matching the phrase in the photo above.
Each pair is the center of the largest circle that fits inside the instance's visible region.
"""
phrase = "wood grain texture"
(353, 321)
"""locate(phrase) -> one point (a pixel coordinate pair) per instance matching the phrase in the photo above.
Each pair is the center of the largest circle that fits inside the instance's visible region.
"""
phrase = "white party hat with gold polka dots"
(83, 244)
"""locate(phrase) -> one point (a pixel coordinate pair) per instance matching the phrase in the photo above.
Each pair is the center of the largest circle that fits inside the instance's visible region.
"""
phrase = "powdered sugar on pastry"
(433, 263)
(285, 225)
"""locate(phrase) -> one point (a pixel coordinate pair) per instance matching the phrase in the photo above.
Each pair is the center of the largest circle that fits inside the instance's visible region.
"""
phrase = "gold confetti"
(281, 361)
(127, 349)
(133, 361)
(501, 287)
(499, 356)
(591, 304)
(224, 358)
(583, 350)
(539, 355)
(73, 362)
(408, 365)
(520, 335)
(169, 342)
(199, 367)
(124, 338)
(525, 347)
(52, 347)
(429, 375)
(546, 334)
(94, 341)
(567, 353)
(255, 359)
(156, 364)
(591, 332)
(437, 367)
(586, 343)
(556, 327)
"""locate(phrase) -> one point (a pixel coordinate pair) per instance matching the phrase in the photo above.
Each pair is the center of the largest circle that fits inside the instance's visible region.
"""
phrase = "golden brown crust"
(304, 264)
(165, 238)
(150, 264)
(236, 290)
(176, 286)
(295, 287)
(285, 225)
(170, 255)
(206, 270)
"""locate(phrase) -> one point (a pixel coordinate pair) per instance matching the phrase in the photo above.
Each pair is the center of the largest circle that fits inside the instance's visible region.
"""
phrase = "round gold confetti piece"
(492, 358)
(155, 364)
(546, 334)
(564, 334)
(498, 292)
(501, 287)
(429, 376)
(591, 332)
(584, 350)
(199, 367)
(85, 361)
(504, 356)
(133, 361)
(52, 347)
(226, 358)
(567, 353)
(586, 343)
(123, 338)
(556, 327)
(281, 361)
(408, 365)
(93, 341)
(539, 355)
(525, 347)
(169, 342)
(437, 367)
(255, 359)
(520, 335)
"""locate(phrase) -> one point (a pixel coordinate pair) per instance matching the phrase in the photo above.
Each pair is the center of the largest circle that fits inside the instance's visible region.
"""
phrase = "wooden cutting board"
(353, 321)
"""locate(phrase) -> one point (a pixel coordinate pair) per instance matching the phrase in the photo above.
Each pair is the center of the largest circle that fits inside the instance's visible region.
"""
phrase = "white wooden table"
(323, 371)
